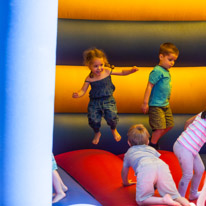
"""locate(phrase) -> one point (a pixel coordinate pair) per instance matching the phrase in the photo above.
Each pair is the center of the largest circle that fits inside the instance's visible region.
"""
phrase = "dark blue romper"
(102, 103)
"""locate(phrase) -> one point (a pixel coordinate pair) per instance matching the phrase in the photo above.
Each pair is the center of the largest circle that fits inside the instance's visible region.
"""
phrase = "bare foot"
(116, 135)
(167, 199)
(58, 197)
(182, 201)
(96, 138)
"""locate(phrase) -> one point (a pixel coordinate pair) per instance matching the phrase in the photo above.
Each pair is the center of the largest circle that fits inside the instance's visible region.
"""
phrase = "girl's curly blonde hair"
(92, 53)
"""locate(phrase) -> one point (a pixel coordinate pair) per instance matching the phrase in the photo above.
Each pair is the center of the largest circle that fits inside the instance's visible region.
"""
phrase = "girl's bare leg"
(57, 183)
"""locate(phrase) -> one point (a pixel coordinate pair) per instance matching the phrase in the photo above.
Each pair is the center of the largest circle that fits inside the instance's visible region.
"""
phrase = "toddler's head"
(168, 54)
(138, 135)
(90, 54)
(168, 48)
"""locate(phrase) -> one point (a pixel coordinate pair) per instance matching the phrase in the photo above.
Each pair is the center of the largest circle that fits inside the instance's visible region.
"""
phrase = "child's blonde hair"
(138, 135)
(168, 48)
(92, 53)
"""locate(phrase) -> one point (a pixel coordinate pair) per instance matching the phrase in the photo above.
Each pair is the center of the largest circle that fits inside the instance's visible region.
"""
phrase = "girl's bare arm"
(124, 72)
(189, 121)
(82, 91)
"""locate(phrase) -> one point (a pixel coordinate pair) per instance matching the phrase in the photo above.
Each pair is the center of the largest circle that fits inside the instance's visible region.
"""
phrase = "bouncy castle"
(42, 65)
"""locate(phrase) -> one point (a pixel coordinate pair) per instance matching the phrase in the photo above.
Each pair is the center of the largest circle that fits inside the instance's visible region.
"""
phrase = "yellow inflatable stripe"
(133, 10)
(188, 89)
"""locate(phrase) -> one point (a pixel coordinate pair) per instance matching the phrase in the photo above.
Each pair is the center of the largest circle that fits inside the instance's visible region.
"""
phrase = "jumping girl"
(102, 102)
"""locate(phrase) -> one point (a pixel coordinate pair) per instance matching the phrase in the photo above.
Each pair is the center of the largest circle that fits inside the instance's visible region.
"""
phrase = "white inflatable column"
(27, 81)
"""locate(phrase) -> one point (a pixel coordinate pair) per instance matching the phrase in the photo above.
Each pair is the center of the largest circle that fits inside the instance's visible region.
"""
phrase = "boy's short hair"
(168, 48)
(138, 135)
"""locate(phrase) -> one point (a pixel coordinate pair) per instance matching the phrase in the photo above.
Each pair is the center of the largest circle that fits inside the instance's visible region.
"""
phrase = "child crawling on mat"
(150, 171)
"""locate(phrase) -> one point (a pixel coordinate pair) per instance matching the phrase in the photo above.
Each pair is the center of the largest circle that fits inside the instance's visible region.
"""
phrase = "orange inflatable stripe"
(188, 89)
(133, 10)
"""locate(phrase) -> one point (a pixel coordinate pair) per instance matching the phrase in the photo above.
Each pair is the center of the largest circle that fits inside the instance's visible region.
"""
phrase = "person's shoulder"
(88, 78)
(199, 117)
(156, 72)
(132, 149)
(157, 69)
(153, 151)
(160, 68)
(150, 148)
(136, 148)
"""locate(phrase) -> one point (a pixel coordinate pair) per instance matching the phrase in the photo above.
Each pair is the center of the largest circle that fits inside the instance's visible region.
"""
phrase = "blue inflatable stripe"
(129, 43)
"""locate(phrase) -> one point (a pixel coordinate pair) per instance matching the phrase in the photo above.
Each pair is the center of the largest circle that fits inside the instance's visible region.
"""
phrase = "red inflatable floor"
(99, 172)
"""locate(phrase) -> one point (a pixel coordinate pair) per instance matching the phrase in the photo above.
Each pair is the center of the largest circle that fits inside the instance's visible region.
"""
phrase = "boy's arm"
(124, 72)
(189, 121)
(124, 175)
(82, 91)
(148, 90)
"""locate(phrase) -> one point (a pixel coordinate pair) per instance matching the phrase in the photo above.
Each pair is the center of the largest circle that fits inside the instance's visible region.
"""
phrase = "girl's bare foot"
(116, 135)
(96, 138)
(167, 199)
(58, 197)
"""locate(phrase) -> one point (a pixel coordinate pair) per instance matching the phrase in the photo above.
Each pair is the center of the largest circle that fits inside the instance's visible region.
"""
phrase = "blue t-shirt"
(161, 90)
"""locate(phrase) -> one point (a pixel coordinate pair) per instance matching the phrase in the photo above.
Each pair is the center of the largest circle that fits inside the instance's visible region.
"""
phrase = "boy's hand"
(145, 108)
(75, 95)
(130, 182)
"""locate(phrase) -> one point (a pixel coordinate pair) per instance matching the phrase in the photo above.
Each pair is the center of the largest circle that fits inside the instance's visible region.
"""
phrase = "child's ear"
(129, 143)
(160, 56)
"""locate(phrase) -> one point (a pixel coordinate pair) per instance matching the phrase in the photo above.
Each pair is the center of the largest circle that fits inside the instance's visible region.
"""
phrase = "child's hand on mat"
(130, 182)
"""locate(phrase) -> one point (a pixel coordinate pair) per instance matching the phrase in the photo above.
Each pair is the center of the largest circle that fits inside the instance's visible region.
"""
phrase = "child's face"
(97, 66)
(167, 61)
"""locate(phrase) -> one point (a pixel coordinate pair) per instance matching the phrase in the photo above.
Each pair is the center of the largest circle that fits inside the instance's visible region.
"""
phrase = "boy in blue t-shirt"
(157, 94)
